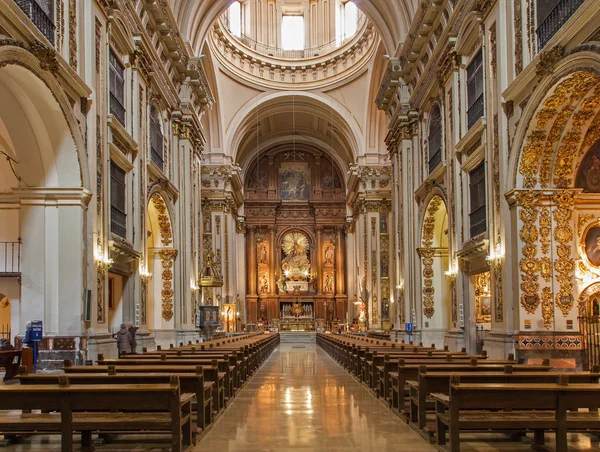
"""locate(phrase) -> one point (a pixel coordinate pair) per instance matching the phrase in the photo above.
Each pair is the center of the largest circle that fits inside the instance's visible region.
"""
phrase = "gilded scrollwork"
(564, 265)
(427, 254)
(167, 257)
(529, 263)
(164, 223)
(547, 307)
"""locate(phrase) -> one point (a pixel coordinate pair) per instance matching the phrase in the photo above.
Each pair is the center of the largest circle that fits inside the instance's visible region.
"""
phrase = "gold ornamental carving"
(570, 103)
(46, 56)
(529, 263)
(164, 222)
(427, 253)
(547, 307)
(73, 34)
(167, 257)
(564, 265)
(548, 60)
(583, 220)
(518, 25)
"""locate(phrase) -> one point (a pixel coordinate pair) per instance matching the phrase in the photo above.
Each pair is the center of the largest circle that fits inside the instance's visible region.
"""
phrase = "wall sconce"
(451, 273)
(194, 288)
(102, 262)
(494, 259)
(145, 276)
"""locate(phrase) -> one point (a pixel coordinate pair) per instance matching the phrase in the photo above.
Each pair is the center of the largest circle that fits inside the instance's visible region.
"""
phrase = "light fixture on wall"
(494, 259)
(145, 276)
(103, 262)
(451, 273)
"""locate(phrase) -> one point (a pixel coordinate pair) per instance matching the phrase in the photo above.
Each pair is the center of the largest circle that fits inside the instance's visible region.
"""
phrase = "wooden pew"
(432, 382)
(87, 409)
(211, 374)
(10, 360)
(411, 372)
(230, 381)
(556, 408)
(189, 383)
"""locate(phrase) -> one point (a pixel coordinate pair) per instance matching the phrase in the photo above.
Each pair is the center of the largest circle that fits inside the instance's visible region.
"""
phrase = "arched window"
(292, 32)
(156, 139)
(435, 138)
(235, 19)
(346, 21)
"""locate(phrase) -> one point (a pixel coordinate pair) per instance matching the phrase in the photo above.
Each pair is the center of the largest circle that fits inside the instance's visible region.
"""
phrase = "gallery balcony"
(10, 259)
(561, 13)
(39, 17)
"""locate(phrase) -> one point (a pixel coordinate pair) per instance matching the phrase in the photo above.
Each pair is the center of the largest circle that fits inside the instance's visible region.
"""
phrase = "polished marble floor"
(301, 400)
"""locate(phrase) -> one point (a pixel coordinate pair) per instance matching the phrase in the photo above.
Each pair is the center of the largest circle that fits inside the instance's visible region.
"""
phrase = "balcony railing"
(435, 160)
(156, 145)
(10, 258)
(118, 222)
(301, 54)
(475, 112)
(555, 20)
(117, 109)
(39, 18)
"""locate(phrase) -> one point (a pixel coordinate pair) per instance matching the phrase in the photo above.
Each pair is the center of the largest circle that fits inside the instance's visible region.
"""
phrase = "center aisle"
(301, 399)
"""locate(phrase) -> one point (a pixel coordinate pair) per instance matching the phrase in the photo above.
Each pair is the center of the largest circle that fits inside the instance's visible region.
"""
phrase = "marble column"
(272, 261)
(251, 262)
(319, 263)
(340, 288)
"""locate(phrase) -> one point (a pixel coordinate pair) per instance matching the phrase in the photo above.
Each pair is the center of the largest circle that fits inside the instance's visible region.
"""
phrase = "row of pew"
(178, 391)
(442, 393)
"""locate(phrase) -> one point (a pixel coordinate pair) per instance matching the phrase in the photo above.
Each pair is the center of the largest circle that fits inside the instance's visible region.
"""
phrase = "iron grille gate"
(590, 330)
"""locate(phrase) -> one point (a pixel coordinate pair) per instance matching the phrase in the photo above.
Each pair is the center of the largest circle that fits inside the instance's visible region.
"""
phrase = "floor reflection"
(301, 399)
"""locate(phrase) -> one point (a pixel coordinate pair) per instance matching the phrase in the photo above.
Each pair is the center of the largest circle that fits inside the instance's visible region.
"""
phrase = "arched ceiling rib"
(392, 18)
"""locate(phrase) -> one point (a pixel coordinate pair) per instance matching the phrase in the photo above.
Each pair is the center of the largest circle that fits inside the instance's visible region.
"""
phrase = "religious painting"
(588, 176)
(294, 181)
(383, 225)
(384, 267)
(486, 307)
(592, 245)
(483, 298)
(385, 308)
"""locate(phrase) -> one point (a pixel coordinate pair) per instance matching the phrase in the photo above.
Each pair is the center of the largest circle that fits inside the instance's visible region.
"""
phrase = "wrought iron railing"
(555, 20)
(303, 54)
(118, 222)
(475, 112)
(38, 16)
(589, 326)
(477, 221)
(435, 160)
(117, 109)
(10, 258)
(156, 145)
(5, 332)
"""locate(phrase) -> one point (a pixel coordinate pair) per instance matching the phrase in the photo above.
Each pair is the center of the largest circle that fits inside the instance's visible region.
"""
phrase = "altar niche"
(295, 212)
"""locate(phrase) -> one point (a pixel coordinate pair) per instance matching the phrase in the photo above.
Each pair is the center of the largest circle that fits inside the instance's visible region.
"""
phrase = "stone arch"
(317, 104)
(585, 295)
(434, 255)
(47, 168)
(39, 92)
(160, 256)
(569, 97)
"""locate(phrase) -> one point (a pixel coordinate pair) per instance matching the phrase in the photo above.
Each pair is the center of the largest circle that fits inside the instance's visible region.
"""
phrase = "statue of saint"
(329, 283)
(329, 254)
(262, 254)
